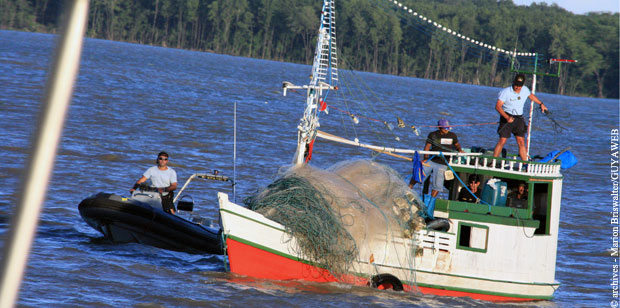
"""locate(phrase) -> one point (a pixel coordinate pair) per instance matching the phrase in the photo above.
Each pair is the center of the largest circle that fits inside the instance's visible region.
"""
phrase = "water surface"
(132, 101)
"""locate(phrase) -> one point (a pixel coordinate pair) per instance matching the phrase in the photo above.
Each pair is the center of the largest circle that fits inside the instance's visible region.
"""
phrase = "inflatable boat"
(141, 219)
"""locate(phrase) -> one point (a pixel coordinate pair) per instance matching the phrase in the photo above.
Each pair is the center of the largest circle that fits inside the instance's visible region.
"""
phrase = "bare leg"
(434, 193)
(499, 146)
(521, 144)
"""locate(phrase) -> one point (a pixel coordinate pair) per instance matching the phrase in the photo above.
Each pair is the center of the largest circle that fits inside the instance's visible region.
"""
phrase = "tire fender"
(385, 282)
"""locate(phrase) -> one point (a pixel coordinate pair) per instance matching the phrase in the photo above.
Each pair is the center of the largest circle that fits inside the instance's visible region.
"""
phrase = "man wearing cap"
(465, 195)
(509, 105)
(162, 177)
(441, 140)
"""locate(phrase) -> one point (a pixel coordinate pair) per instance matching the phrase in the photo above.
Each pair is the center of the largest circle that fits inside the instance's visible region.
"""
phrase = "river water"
(132, 101)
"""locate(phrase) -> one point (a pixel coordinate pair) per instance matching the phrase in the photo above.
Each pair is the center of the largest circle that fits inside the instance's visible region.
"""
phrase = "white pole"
(235, 153)
(41, 161)
(529, 126)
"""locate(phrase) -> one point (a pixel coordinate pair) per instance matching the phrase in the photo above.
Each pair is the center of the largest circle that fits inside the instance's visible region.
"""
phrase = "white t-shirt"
(514, 102)
(161, 178)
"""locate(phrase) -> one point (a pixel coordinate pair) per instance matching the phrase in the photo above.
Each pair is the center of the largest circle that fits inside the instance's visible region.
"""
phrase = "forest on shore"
(373, 35)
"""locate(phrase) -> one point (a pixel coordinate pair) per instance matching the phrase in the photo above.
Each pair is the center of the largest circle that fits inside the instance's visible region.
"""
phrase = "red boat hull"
(251, 261)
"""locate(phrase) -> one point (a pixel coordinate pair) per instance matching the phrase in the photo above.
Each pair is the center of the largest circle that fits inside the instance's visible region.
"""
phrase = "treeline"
(372, 35)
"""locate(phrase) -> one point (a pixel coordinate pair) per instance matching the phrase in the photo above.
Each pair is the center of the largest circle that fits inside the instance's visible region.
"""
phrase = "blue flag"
(567, 158)
(418, 171)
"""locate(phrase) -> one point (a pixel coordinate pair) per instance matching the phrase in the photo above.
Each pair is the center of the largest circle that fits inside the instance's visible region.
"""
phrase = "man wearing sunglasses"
(162, 177)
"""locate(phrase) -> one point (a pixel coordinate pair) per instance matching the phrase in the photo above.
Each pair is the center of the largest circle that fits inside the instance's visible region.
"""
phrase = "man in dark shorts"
(510, 102)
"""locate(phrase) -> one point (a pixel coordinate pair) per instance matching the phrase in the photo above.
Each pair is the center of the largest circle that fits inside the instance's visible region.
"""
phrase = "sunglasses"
(163, 158)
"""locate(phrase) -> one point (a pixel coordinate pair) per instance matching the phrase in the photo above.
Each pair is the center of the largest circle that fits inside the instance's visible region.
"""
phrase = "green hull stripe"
(267, 249)
(509, 221)
(477, 278)
(487, 292)
(254, 220)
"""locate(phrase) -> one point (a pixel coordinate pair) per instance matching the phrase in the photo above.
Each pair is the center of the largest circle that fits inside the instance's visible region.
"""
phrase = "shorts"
(436, 171)
(517, 127)
(167, 202)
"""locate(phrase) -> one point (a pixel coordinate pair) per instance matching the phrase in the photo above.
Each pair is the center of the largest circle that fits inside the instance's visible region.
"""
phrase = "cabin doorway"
(541, 204)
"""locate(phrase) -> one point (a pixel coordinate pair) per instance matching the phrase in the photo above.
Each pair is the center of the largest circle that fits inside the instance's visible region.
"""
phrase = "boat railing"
(207, 176)
(506, 165)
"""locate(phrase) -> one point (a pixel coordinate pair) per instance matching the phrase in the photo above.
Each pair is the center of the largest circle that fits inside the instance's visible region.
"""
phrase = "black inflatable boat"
(140, 219)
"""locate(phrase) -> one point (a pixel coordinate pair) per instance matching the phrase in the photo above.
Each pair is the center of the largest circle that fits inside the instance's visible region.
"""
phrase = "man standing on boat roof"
(441, 140)
(162, 177)
(510, 102)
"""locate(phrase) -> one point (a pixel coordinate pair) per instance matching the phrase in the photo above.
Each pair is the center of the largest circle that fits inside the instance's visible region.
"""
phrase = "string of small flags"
(458, 35)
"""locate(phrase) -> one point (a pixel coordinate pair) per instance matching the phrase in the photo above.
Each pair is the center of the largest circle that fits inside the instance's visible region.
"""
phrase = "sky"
(579, 6)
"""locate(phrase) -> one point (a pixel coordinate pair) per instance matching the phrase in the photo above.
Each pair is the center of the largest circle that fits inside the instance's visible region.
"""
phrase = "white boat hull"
(430, 263)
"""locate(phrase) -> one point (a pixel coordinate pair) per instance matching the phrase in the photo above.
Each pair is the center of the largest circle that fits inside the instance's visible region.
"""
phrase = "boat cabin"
(500, 179)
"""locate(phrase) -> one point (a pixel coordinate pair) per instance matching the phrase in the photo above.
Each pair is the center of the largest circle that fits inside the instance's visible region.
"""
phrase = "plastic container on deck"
(495, 192)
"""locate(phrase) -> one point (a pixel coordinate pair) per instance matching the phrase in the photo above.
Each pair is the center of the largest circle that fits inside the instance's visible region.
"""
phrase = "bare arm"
(458, 147)
(426, 148)
(502, 113)
(138, 182)
(172, 187)
(537, 101)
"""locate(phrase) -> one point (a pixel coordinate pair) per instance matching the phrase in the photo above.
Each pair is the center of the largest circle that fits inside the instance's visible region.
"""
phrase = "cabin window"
(518, 194)
(493, 191)
(541, 206)
(459, 192)
(472, 237)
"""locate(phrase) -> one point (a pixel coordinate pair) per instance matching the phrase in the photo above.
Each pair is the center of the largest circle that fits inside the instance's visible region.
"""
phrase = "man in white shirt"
(162, 177)
(509, 105)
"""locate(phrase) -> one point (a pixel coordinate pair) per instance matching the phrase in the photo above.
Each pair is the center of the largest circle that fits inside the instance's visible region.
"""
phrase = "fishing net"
(352, 210)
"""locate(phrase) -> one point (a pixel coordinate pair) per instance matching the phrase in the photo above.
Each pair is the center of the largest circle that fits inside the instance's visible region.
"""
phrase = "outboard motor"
(186, 205)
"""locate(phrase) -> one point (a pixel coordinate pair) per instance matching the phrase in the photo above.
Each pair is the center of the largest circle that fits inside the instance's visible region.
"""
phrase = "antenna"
(535, 72)
(234, 184)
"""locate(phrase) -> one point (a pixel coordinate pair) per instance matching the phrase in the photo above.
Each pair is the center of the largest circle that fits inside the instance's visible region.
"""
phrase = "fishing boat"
(500, 249)
(141, 219)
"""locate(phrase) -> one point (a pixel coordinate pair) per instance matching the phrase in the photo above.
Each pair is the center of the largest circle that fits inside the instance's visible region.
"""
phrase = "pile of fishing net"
(352, 210)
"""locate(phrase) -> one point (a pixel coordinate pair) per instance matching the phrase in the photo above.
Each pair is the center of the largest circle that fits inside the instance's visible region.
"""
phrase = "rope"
(380, 121)
(459, 178)
(458, 35)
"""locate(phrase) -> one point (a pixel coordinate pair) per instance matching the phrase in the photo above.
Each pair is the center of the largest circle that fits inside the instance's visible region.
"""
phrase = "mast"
(324, 75)
(535, 73)
(529, 126)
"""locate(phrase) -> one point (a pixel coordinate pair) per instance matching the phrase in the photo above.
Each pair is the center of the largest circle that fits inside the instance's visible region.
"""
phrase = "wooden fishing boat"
(502, 249)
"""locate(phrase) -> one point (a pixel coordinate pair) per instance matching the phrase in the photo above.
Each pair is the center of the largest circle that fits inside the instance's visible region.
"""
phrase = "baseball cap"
(519, 80)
